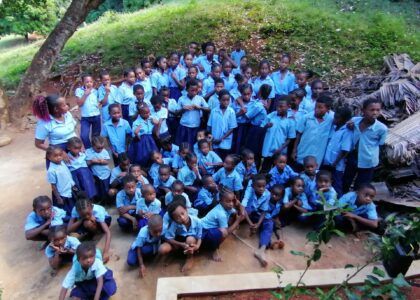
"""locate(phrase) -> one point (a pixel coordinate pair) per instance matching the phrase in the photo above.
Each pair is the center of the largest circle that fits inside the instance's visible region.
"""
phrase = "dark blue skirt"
(84, 180)
(102, 188)
(173, 123)
(140, 150)
(239, 137)
(186, 135)
(255, 139)
(86, 289)
(175, 93)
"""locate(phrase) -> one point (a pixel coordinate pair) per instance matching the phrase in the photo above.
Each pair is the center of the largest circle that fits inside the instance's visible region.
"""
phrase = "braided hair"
(43, 107)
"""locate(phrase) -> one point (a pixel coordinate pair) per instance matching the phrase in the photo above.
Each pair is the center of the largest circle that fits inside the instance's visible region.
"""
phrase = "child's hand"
(269, 125)
(155, 121)
(135, 224)
(107, 89)
(122, 210)
(148, 215)
(54, 247)
(88, 91)
(299, 203)
(325, 189)
(173, 75)
(142, 268)
(188, 107)
(137, 130)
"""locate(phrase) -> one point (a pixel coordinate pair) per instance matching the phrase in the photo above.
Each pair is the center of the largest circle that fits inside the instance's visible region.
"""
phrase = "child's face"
(282, 108)
(210, 184)
(229, 164)
(144, 113)
(183, 152)
(221, 53)
(294, 101)
(149, 195)
(98, 147)
(317, 90)
(227, 68)
(248, 73)
(106, 80)
(298, 187)
(140, 74)
(259, 187)
(249, 159)
(276, 195)
(86, 259)
(323, 182)
(147, 68)
(130, 188)
(162, 64)
(59, 239)
(320, 110)
(131, 78)
(246, 95)
(199, 87)
(228, 201)
(165, 95)
(217, 71)
(264, 70)
(156, 230)
(224, 101)
(44, 210)
(124, 165)
(372, 112)
(174, 61)
(75, 149)
(157, 158)
(180, 216)
(281, 162)
(56, 156)
(301, 80)
(177, 189)
(243, 62)
(192, 49)
(205, 148)
(219, 86)
(86, 213)
(164, 174)
(136, 172)
(139, 95)
(115, 114)
(210, 52)
(365, 195)
(88, 82)
(237, 46)
(192, 91)
(192, 72)
(284, 63)
(201, 135)
(192, 163)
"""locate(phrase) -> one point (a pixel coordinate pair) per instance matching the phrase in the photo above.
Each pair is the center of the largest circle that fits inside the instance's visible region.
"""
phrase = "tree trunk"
(46, 56)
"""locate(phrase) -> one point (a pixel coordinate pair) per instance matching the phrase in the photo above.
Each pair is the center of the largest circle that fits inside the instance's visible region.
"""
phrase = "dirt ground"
(25, 274)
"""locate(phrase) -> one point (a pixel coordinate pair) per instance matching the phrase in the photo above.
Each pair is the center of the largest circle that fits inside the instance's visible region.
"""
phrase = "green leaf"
(297, 253)
(317, 255)
(373, 280)
(348, 266)
(400, 281)
(312, 236)
(277, 295)
(351, 295)
(379, 272)
(339, 233)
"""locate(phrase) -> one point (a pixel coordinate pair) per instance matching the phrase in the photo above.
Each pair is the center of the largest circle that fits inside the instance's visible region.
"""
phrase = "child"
(184, 233)
(190, 174)
(117, 131)
(168, 150)
(97, 159)
(157, 161)
(209, 84)
(133, 112)
(126, 92)
(92, 280)
(264, 78)
(273, 213)
(295, 202)
(207, 160)
(172, 107)
(208, 59)
(228, 177)
(136, 171)
(190, 107)
(338, 147)
(368, 135)
(202, 134)
(87, 99)
(160, 114)
(61, 247)
(216, 223)
(281, 173)
(60, 178)
(107, 95)
(246, 168)
(237, 53)
(227, 76)
(43, 216)
(144, 81)
(80, 172)
(213, 101)
(143, 143)
(176, 75)
(256, 201)
(302, 79)
(280, 130)
(240, 107)
(117, 175)
(309, 102)
(147, 205)
(192, 51)
(164, 181)
(177, 188)
(221, 123)
(208, 196)
(295, 111)
(284, 79)
(146, 244)
(313, 131)
(363, 211)
(160, 77)
(234, 92)
(179, 159)
(323, 196)
(309, 174)
(88, 219)
(146, 65)
(126, 204)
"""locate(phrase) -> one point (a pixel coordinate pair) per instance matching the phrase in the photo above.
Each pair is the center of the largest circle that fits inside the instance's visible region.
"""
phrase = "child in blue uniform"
(368, 135)
(208, 160)
(309, 102)
(87, 99)
(208, 59)
(323, 194)
(281, 173)
(190, 175)
(137, 172)
(133, 108)
(237, 53)
(168, 150)
(78, 167)
(295, 202)
(177, 188)
(228, 177)
(97, 159)
(61, 248)
(275, 206)
(160, 114)
(284, 79)
(146, 245)
(157, 161)
(160, 76)
(227, 76)
(60, 178)
(126, 202)
(240, 106)
(179, 159)
(126, 92)
(88, 219)
(164, 181)
(208, 196)
(302, 80)
(144, 81)
(213, 101)
(107, 94)
(147, 66)
(309, 174)
(43, 216)
(172, 107)
(192, 50)
(117, 175)
(246, 168)
(176, 75)
(88, 275)
(209, 83)
(147, 205)
(263, 78)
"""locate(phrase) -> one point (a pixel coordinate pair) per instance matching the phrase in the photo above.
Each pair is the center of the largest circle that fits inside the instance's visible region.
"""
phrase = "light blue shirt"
(195, 229)
(232, 181)
(211, 157)
(114, 173)
(235, 94)
(152, 207)
(162, 114)
(90, 107)
(255, 203)
(213, 101)
(281, 178)
(365, 210)
(208, 85)
(191, 118)
(77, 274)
(139, 185)
(256, 112)
(202, 60)
(308, 105)
(330, 197)
(169, 197)
(237, 55)
(368, 142)
(236, 107)
(117, 134)
(309, 184)
(147, 85)
(283, 128)
(123, 199)
(126, 93)
(186, 175)
(180, 73)
(307, 89)
(145, 238)
(340, 140)
(159, 79)
(98, 212)
(100, 171)
(77, 162)
(170, 154)
(60, 176)
(178, 162)
(218, 217)
(258, 82)
(220, 123)
(167, 184)
(146, 126)
(283, 86)
(205, 197)
(243, 172)
(71, 243)
(132, 107)
(56, 131)
(296, 116)
(33, 220)
(113, 97)
(314, 137)
(230, 82)
(288, 197)
(273, 210)
(172, 107)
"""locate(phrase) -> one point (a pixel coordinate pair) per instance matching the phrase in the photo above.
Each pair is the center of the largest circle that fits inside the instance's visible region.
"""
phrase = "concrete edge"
(169, 288)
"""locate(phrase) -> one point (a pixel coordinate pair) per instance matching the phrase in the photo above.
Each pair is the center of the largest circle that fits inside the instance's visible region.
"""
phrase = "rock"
(5, 140)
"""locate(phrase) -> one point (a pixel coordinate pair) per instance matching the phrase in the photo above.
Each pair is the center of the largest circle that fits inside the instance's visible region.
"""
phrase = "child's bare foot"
(186, 268)
(259, 254)
(216, 256)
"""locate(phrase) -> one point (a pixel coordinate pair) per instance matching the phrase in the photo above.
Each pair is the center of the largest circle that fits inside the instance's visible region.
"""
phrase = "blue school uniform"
(132, 108)
(180, 74)
(117, 134)
(139, 150)
(154, 170)
(33, 220)
(308, 104)
(98, 211)
(82, 175)
(220, 123)
(148, 244)
(256, 114)
(114, 173)
(147, 86)
(159, 79)
(365, 210)
(241, 132)
(296, 116)
(139, 185)
(182, 62)
(206, 64)
(122, 199)
(169, 197)
(283, 177)
(187, 176)
(178, 162)
(205, 198)
(229, 81)
(273, 210)
(258, 82)
(213, 101)
(113, 97)
(232, 180)
(170, 155)
(237, 55)
(152, 207)
(57, 132)
(91, 106)
(309, 184)
(126, 97)
(167, 184)
(208, 85)
(283, 86)
(235, 94)
(101, 171)
(288, 197)
(211, 157)
(71, 243)
(243, 172)
(60, 176)
(162, 114)
(195, 230)
(314, 137)
(283, 128)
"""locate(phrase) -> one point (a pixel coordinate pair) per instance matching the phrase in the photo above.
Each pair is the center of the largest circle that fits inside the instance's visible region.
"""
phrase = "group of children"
(200, 145)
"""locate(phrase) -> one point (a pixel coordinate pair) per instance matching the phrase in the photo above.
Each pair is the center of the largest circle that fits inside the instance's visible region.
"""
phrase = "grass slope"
(333, 38)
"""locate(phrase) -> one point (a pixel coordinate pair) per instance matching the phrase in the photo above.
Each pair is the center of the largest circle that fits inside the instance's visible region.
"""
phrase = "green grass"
(326, 36)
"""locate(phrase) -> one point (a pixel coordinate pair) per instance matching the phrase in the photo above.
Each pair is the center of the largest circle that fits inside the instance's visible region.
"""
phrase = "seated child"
(43, 216)
(179, 159)
(178, 198)
(171, 105)
(228, 177)
(281, 173)
(216, 223)
(126, 203)
(88, 219)
(160, 114)
(147, 205)
(184, 234)
(246, 168)
(88, 275)
(295, 202)
(309, 174)
(273, 213)
(164, 181)
(363, 211)
(137, 172)
(61, 247)
(146, 244)
(168, 150)
(77, 165)
(207, 160)
(208, 196)
(60, 178)
(323, 194)
(118, 173)
(177, 188)
(202, 134)
(256, 201)
(157, 161)
(190, 175)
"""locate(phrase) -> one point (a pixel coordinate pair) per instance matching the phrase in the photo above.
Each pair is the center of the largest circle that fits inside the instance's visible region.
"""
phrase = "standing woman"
(55, 123)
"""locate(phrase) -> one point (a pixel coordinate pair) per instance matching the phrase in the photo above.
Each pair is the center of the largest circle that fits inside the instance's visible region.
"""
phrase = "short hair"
(191, 82)
(85, 247)
(145, 61)
(205, 177)
(122, 157)
(74, 141)
(202, 142)
(315, 82)
(184, 146)
(265, 90)
(323, 173)
(215, 65)
(112, 106)
(366, 186)
(51, 149)
(84, 76)
(219, 80)
(137, 87)
(147, 187)
(325, 99)
(128, 71)
(246, 152)
(190, 156)
(155, 220)
(368, 102)
(130, 169)
(286, 55)
(157, 99)
(279, 186)
(40, 200)
(299, 92)
(54, 230)
(223, 93)
(98, 140)
(177, 182)
(83, 203)
(164, 89)
(344, 113)
(128, 179)
(258, 177)
(308, 73)
(264, 62)
(225, 191)
(164, 166)
(103, 73)
(174, 205)
(293, 180)
(308, 159)
(245, 86)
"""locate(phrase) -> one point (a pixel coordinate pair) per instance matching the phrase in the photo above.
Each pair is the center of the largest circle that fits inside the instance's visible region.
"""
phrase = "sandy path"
(24, 271)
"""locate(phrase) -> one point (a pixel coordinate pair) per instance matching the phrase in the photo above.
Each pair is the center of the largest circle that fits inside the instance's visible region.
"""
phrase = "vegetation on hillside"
(333, 38)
